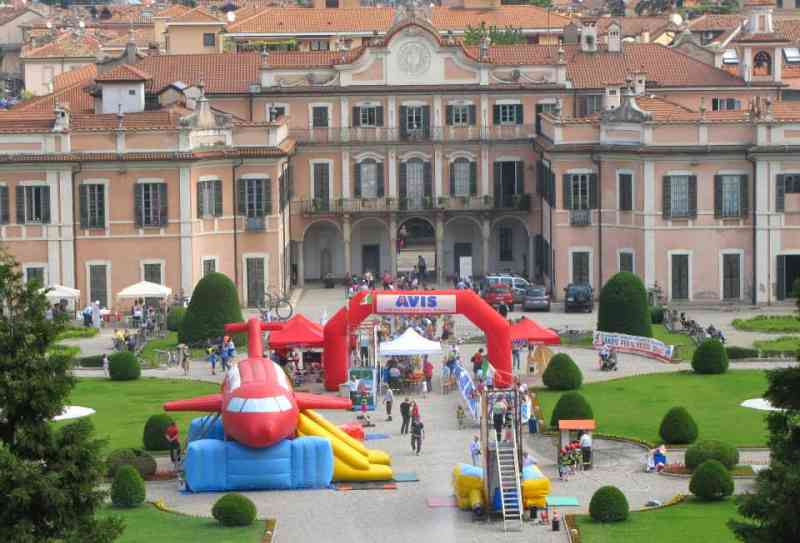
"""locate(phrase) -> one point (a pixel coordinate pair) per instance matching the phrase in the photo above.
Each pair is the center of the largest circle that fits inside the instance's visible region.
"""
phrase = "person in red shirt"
(477, 362)
(427, 369)
(173, 436)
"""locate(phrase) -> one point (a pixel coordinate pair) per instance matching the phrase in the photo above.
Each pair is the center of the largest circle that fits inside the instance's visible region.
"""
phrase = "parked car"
(536, 298)
(518, 284)
(499, 294)
(578, 297)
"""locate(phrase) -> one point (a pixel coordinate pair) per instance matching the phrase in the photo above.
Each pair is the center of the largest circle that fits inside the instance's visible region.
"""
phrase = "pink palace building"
(565, 163)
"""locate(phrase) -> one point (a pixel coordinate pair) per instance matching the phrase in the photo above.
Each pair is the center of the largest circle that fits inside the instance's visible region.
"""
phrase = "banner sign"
(634, 344)
(410, 304)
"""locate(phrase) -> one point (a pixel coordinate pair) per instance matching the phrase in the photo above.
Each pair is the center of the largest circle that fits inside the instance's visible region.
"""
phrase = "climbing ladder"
(510, 491)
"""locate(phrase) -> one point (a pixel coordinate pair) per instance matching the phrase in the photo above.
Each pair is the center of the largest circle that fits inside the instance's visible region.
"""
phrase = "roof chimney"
(589, 35)
(130, 48)
(614, 37)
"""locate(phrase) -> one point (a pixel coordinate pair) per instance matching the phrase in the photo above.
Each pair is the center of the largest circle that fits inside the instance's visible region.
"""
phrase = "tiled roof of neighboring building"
(17, 122)
(220, 72)
(123, 72)
(75, 96)
(789, 28)
(142, 37)
(196, 15)
(145, 120)
(8, 14)
(175, 10)
(445, 18)
(716, 22)
(85, 73)
(634, 26)
(67, 45)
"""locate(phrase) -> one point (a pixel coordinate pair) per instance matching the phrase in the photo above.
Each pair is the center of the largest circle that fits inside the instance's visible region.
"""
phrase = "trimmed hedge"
(562, 373)
(737, 353)
(623, 306)
(154, 429)
(724, 453)
(609, 504)
(710, 358)
(711, 481)
(141, 461)
(124, 367)
(95, 361)
(234, 510)
(175, 317)
(657, 314)
(127, 490)
(215, 303)
(678, 427)
(571, 406)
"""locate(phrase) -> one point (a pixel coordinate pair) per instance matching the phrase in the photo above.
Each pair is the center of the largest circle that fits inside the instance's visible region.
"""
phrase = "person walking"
(586, 450)
(172, 435)
(475, 450)
(105, 365)
(422, 267)
(417, 434)
(477, 362)
(414, 410)
(499, 416)
(405, 413)
(516, 356)
(388, 399)
(427, 370)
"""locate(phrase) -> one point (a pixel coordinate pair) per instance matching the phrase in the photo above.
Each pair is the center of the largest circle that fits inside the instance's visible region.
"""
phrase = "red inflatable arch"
(394, 302)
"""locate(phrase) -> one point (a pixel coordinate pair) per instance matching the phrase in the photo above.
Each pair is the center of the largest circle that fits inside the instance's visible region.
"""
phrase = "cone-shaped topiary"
(571, 406)
(214, 304)
(127, 490)
(154, 429)
(139, 459)
(609, 504)
(724, 453)
(678, 427)
(623, 306)
(175, 318)
(710, 357)
(711, 481)
(234, 510)
(562, 373)
(124, 367)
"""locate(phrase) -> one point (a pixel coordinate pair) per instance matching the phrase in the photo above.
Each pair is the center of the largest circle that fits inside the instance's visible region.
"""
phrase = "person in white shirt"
(586, 450)
(475, 450)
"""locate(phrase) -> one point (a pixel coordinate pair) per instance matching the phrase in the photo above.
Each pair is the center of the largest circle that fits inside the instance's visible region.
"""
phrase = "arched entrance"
(464, 302)
(462, 240)
(323, 251)
(416, 237)
(370, 247)
(509, 246)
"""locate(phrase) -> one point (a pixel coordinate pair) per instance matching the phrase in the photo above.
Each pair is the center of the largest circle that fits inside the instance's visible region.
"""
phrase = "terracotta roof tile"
(789, 28)
(221, 72)
(634, 26)
(716, 22)
(83, 74)
(16, 122)
(142, 37)
(445, 18)
(196, 15)
(145, 120)
(175, 10)
(75, 96)
(67, 45)
(123, 72)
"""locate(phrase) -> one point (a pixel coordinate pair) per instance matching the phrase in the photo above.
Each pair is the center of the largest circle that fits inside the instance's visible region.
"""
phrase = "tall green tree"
(654, 7)
(772, 512)
(49, 479)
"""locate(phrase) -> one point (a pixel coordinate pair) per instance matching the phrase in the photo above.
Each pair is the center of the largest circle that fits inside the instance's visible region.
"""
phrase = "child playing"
(563, 465)
(212, 359)
(460, 416)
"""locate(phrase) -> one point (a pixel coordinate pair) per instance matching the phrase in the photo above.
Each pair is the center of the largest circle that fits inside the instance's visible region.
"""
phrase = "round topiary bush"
(678, 427)
(711, 481)
(234, 510)
(214, 304)
(154, 430)
(175, 318)
(623, 306)
(571, 406)
(562, 373)
(724, 453)
(127, 490)
(609, 505)
(124, 367)
(139, 459)
(710, 357)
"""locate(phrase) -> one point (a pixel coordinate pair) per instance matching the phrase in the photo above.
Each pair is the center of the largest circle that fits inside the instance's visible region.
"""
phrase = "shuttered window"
(92, 205)
(209, 266)
(463, 178)
(255, 281)
(580, 268)
(153, 272)
(368, 116)
(625, 192)
(319, 116)
(98, 284)
(788, 183)
(626, 261)
(461, 115)
(150, 204)
(33, 204)
(209, 198)
(506, 242)
(255, 197)
(589, 104)
(35, 274)
(4, 211)
(580, 191)
(730, 196)
(508, 114)
(680, 196)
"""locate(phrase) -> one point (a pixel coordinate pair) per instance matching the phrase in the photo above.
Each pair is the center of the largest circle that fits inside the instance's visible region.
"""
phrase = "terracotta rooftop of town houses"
(69, 44)
(369, 19)
(716, 22)
(195, 16)
(220, 72)
(634, 26)
(123, 72)
(164, 119)
(285, 148)
(8, 14)
(746, 3)
(788, 28)
(175, 10)
(85, 73)
(24, 122)
(76, 96)
(142, 37)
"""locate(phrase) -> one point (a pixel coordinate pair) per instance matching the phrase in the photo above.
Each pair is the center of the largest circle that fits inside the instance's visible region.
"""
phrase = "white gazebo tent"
(409, 343)
(59, 292)
(145, 289)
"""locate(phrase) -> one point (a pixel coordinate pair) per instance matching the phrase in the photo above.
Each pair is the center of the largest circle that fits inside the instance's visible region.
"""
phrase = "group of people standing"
(411, 420)
(223, 350)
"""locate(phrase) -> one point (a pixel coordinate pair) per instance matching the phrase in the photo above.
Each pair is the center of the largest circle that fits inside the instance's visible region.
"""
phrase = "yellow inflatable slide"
(352, 461)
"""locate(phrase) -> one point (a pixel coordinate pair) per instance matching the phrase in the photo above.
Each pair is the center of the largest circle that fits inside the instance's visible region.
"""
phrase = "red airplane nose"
(260, 430)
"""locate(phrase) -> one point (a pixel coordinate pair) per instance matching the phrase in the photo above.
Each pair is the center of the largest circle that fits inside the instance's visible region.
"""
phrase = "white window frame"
(461, 158)
(460, 110)
(106, 196)
(624, 171)
(269, 105)
(160, 261)
(589, 250)
(35, 183)
(722, 254)
(245, 257)
(626, 250)
(204, 259)
(29, 265)
(311, 45)
(505, 111)
(206, 179)
(331, 173)
(679, 173)
(688, 252)
(87, 268)
(374, 162)
(327, 106)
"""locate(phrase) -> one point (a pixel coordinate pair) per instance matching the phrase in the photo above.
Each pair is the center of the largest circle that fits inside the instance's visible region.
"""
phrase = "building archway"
(509, 246)
(416, 236)
(464, 302)
(323, 251)
(462, 239)
(369, 247)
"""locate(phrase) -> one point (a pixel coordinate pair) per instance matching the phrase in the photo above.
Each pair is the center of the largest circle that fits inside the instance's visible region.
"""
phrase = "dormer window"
(132, 92)
(792, 55)
(762, 63)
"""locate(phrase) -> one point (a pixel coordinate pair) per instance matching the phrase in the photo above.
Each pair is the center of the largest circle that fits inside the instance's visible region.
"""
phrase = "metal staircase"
(510, 491)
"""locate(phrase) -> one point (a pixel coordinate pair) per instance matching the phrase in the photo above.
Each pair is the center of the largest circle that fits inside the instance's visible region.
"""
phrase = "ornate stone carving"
(414, 58)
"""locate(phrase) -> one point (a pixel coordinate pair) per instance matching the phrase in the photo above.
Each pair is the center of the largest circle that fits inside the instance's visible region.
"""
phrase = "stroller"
(608, 362)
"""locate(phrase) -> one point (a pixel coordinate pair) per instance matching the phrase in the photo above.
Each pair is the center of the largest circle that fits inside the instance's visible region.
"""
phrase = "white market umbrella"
(57, 292)
(408, 344)
(145, 289)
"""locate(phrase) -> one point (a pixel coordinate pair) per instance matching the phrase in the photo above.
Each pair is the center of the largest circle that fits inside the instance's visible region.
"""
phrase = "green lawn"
(689, 522)
(684, 343)
(74, 332)
(170, 341)
(634, 406)
(770, 324)
(783, 344)
(147, 524)
(124, 406)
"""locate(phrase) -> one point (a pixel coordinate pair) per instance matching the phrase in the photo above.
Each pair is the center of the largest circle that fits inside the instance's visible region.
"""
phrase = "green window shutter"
(496, 114)
(666, 195)
(427, 179)
(498, 172)
(267, 186)
(356, 120)
(381, 180)
(718, 196)
(218, 198)
(473, 178)
(101, 205)
(46, 205)
(402, 187)
(4, 212)
(449, 115)
(83, 205)
(357, 180)
(693, 196)
(471, 115)
(138, 197)
(780, 193)
(426, 121)
(519, 114)
(744, 192)
(163, 204)
(519, 185)
(594, 197)
(567, 186)
(200, 199)
(379, 116)
(403, 121)
(242, 195)
(452, 177)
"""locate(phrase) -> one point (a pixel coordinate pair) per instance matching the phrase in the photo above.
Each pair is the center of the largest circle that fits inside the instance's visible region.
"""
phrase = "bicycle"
(277, 304)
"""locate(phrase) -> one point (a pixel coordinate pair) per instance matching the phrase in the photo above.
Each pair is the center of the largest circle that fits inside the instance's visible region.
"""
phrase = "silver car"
(536, 298)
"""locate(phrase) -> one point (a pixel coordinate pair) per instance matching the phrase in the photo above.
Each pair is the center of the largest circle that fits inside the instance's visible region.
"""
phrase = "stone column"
(486, 234)
(439, 249)
(531, 274)
(345, 173)
(393, 245)
(346, 232)
(301, 276)
(438, 165)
